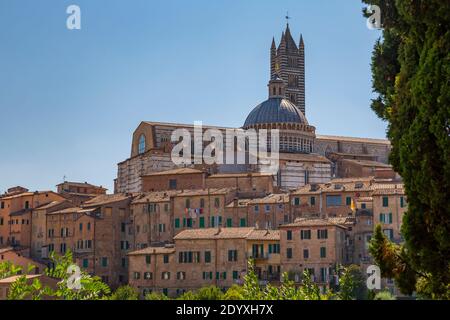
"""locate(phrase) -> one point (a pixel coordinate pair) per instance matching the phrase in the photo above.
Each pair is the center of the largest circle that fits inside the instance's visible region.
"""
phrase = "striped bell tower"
(288, 62)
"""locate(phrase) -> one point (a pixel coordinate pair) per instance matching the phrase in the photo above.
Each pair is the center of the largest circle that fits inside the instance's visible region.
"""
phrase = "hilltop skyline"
(72, 98)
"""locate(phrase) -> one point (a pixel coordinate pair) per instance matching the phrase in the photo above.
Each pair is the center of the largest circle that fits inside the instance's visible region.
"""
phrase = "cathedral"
(304, 157)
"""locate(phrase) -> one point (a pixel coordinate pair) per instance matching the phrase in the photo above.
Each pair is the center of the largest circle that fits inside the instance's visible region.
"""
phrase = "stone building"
(15, 215)
(315, 245)
(202, 257)
(304, 156)
(78, 192)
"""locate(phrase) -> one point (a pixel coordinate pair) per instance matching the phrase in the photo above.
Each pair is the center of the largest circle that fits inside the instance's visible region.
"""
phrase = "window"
(363, 205)
(122, 227)
(296, 201)
(124, 263)
(385, 202)
(217, 202)
(172, 184)
(165, 275)
(141, 148)
(2, 206)
(348, 201)
(62, 247)
(181, 275)
(323, 252)
(289, 235)
(162, 227)
(235, 275)
(202, 203)
(27, 204)
(177, 223)
(188, 203)
(148, 275)
(85, 263)
(166, 258)
(166, 207)
(305, 253)
(382, 217)
(390, 218)
(242, 222)
(267, 208)
(289, 253)
(148, 259)
(402, 202)
(305, 234)
(89, 226)
(334, 201)
(229, 222)
(322, 234)
(256, 209)
(104, 262)
(323, 274)
(207, 256)
(81, 227)
(136, 275)
(274, 248)
(201, 223)
(313, 201)
(232, 255)
(389, 233)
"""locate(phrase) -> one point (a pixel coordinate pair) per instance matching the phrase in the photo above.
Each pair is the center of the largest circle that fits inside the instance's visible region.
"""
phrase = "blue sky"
(70, 100)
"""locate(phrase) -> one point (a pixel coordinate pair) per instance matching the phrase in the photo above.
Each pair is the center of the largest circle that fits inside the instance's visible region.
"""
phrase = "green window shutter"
(177, 223)
(85, 263)
(243, 222)
(212, 222)
(381, 217)
(390, 217)
(313, 201)
(235, 275)
(297, 201)
(270, 248)
(229, 222)
(224, 275)
(348, 201)
(202, 222)
(217, 275)
(184, 222)
(323, 252)
(385, 201)
(402, 203)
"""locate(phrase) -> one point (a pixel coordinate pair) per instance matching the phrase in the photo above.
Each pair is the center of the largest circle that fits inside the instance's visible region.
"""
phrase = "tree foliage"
(125, 293)
(411, 75)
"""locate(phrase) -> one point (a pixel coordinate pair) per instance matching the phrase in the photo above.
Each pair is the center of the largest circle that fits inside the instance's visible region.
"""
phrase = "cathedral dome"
(275, 110)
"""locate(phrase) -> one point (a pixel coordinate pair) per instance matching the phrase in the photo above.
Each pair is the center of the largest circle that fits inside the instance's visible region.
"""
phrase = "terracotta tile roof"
(105, 199)
(214, 233)
(50, 205)
(368, 163)
(315, 222)
(228, 233)
(353, 139)
(153, 250)
(305, 157)
(20, 212)
(241, 203)
(239, 175)
(157, 196)
(173, 172)
(264, 235)
(272, 198)
(65, 211)
(4, 250)
(24, 194)
(14, 278)
(81, 184)
(205, 192)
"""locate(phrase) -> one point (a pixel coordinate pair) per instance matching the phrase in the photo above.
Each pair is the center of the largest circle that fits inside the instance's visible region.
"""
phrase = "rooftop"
(106, 198)
(174, 172)
(228, 233)
(314, 222)
(153, 250)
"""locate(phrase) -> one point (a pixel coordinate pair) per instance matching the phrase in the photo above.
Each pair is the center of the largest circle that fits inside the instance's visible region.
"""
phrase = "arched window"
(141, 148)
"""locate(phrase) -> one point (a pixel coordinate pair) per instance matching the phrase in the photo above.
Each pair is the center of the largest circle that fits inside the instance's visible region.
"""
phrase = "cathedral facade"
(304, 157)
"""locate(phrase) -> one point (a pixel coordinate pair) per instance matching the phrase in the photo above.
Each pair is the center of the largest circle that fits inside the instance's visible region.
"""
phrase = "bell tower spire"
(288, 63)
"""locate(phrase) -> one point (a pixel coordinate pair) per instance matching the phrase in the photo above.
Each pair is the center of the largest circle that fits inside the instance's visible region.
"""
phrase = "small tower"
(288, 62)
